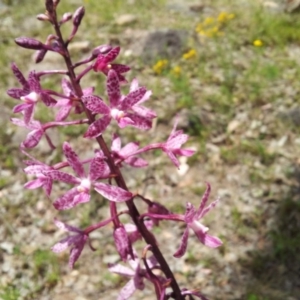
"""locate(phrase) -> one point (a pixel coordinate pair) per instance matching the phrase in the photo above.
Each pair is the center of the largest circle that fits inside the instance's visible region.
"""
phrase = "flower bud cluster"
(97, 173)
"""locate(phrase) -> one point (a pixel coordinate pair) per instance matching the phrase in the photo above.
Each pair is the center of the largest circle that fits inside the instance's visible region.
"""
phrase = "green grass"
(9, 293)
(46, 266)
(255, 297)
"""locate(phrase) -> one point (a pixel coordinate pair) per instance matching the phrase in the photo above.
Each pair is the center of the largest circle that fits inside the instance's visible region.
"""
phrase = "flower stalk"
(106, 164)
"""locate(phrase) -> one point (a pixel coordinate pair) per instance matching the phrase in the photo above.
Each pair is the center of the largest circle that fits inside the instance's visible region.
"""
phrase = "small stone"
(7, 246)
(271, 5)
(111, 259)
(233, 125)
(124, 20)
(212, 148)
(80, 46)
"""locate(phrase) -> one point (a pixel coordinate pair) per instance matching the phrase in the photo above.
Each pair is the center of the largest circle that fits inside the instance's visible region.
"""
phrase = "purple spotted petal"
(116, 143)
(47, 186)
(176, 142)
(88, 91)
(203, 201)
(136, 162)
(132, 98)
(98, 168)
(128, 149)
(96, 128)
(125, 121)
(183, 244)
(140, 122)
(127, 290)
(184, 152)
(120, 68)
(209, 207)
(34, 82)
(62, 176)
(28, 112)
(17, 93)
(95, 104)
(121, 270)
(36, 169)
(122, 79)
(73, 160)
(67, 200)
(113, 88)
(63, 112)
(208, 240)
(123, 243)
(47, 99)
(173, 159)
(34, 184)
(76, 242)
(66, 227)
(144, 112)
(19, 76)
(33, 138)
(112, 193)
(76, 251)
(62, 245)
(66, 87)
(112, 54)
(20, 107)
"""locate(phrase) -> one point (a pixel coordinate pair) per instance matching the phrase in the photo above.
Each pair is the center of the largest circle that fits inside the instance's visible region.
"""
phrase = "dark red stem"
(134, 213)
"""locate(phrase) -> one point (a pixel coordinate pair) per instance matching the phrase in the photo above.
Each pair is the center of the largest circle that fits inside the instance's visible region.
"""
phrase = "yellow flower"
(225, 17)
(208, 21)
(211, 32)
(201, 32)
(176, 71)
(199, 27)
(257, 43)
(190, 54)
(160, 66)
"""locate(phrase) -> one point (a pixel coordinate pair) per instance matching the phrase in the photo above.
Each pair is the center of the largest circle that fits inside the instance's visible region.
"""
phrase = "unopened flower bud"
(42, 17)
(123, 243)
(55, 45)
(78, 15)
(158, 209)
(56, 2)
(29, 43)
(49, 6)
(40, 55)
(102, 49)
(66, 17)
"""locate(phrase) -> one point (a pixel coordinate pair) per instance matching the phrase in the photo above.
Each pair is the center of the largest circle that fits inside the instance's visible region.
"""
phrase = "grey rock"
(292, 116)
(168, 43)
(292, 6)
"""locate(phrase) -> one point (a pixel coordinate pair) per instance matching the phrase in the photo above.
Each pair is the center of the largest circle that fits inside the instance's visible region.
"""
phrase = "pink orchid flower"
(192, 218)
(66, 104)
(30, 93)
(119, 109)
(126, 153)
(103, 64)
(81, 192)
